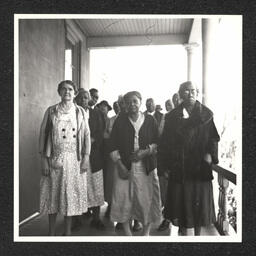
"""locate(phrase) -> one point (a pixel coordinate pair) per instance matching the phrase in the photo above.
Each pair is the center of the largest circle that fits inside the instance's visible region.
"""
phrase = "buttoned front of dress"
(67, 187)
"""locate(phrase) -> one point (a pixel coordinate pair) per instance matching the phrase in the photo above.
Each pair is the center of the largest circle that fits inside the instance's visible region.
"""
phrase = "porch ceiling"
(135, 27)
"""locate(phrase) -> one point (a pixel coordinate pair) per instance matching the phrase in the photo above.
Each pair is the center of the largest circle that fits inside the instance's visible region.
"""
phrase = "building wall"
(41, 68)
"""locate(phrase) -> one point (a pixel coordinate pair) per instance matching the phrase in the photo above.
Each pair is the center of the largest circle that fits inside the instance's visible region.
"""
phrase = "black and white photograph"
(127, 128)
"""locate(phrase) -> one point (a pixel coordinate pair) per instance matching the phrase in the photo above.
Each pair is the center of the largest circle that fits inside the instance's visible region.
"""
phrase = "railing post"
(222, 218)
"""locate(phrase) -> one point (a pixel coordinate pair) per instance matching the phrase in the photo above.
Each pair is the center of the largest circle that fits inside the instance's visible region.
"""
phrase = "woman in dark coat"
(136, 193)
(188, 147)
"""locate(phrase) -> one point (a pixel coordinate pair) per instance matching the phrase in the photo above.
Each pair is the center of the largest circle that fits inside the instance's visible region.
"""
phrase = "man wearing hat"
(158, 115)
(104, 107)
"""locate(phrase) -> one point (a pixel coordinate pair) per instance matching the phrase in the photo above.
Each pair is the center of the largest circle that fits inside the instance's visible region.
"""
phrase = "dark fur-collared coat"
(184, 143)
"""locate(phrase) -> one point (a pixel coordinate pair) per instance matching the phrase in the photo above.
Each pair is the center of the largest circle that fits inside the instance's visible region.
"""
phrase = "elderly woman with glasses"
(188, 147)
(64, 148)
(136, 193)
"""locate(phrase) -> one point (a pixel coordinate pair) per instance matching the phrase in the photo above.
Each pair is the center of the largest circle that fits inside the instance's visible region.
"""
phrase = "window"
(72, 54)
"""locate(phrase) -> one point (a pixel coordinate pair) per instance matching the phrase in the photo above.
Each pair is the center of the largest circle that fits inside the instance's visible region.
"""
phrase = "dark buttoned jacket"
(122, 139)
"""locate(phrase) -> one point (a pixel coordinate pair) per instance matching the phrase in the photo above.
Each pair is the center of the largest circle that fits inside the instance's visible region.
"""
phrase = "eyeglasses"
(192, 91)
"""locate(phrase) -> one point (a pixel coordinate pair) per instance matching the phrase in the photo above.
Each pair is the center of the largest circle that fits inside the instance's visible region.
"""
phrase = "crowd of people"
(149, 167)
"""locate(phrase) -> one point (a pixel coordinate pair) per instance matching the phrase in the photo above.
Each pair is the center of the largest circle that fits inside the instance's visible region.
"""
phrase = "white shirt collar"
(185, 113)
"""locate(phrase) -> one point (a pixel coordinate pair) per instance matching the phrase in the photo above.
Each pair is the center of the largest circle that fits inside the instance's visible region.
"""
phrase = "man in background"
(150, 105)
(158, 115)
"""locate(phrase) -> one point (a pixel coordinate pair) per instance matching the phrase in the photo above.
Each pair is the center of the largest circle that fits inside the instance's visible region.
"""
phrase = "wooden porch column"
(191, 48)
(208, 49)
(87, 67)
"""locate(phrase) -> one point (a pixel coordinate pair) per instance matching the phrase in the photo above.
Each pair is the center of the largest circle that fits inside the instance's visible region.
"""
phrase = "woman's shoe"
(137, 226)
(119, 226)
(164, 225)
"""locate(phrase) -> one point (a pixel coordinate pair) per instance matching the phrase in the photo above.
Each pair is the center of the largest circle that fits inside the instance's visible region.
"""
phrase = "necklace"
(66, 108)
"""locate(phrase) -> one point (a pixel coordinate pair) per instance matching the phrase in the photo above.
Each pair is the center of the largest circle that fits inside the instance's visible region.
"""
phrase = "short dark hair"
(93, 90)
(62, 83)
(149, 99)
(132, 93)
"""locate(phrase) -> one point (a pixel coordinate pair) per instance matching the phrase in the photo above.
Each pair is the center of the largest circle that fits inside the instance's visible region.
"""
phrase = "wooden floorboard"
(39, 227)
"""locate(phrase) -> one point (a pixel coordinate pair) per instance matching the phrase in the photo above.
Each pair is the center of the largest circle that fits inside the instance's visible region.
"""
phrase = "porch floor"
(39, 227)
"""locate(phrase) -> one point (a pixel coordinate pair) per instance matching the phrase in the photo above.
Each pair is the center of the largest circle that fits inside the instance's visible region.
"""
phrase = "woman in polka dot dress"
(64, 148)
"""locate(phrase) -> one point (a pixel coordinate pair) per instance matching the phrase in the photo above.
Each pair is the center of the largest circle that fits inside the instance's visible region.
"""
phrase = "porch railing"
(224, 177)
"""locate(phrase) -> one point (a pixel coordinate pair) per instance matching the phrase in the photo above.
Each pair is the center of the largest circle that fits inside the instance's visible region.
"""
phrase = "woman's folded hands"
(123, 172)
(139, 154)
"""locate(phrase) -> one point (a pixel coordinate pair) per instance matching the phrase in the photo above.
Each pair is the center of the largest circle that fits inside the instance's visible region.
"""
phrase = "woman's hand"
(45, 167)
(84, 166)
(166, 174)
(139, 155)
(208, 158)
(122, 170)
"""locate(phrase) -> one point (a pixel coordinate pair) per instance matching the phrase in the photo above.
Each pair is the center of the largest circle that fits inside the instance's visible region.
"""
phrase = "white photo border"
(17, 238)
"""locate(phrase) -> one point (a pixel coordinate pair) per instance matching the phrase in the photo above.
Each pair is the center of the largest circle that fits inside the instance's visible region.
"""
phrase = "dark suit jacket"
(97, 131)
(158, 116)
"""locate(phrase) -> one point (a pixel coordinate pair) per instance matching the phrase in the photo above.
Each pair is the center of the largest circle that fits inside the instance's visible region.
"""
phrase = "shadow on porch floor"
(39, 227)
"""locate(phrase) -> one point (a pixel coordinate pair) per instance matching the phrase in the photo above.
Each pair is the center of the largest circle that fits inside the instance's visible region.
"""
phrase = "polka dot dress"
(65, 190)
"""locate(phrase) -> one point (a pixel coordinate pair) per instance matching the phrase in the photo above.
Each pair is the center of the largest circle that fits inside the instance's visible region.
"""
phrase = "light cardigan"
(83, 132)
